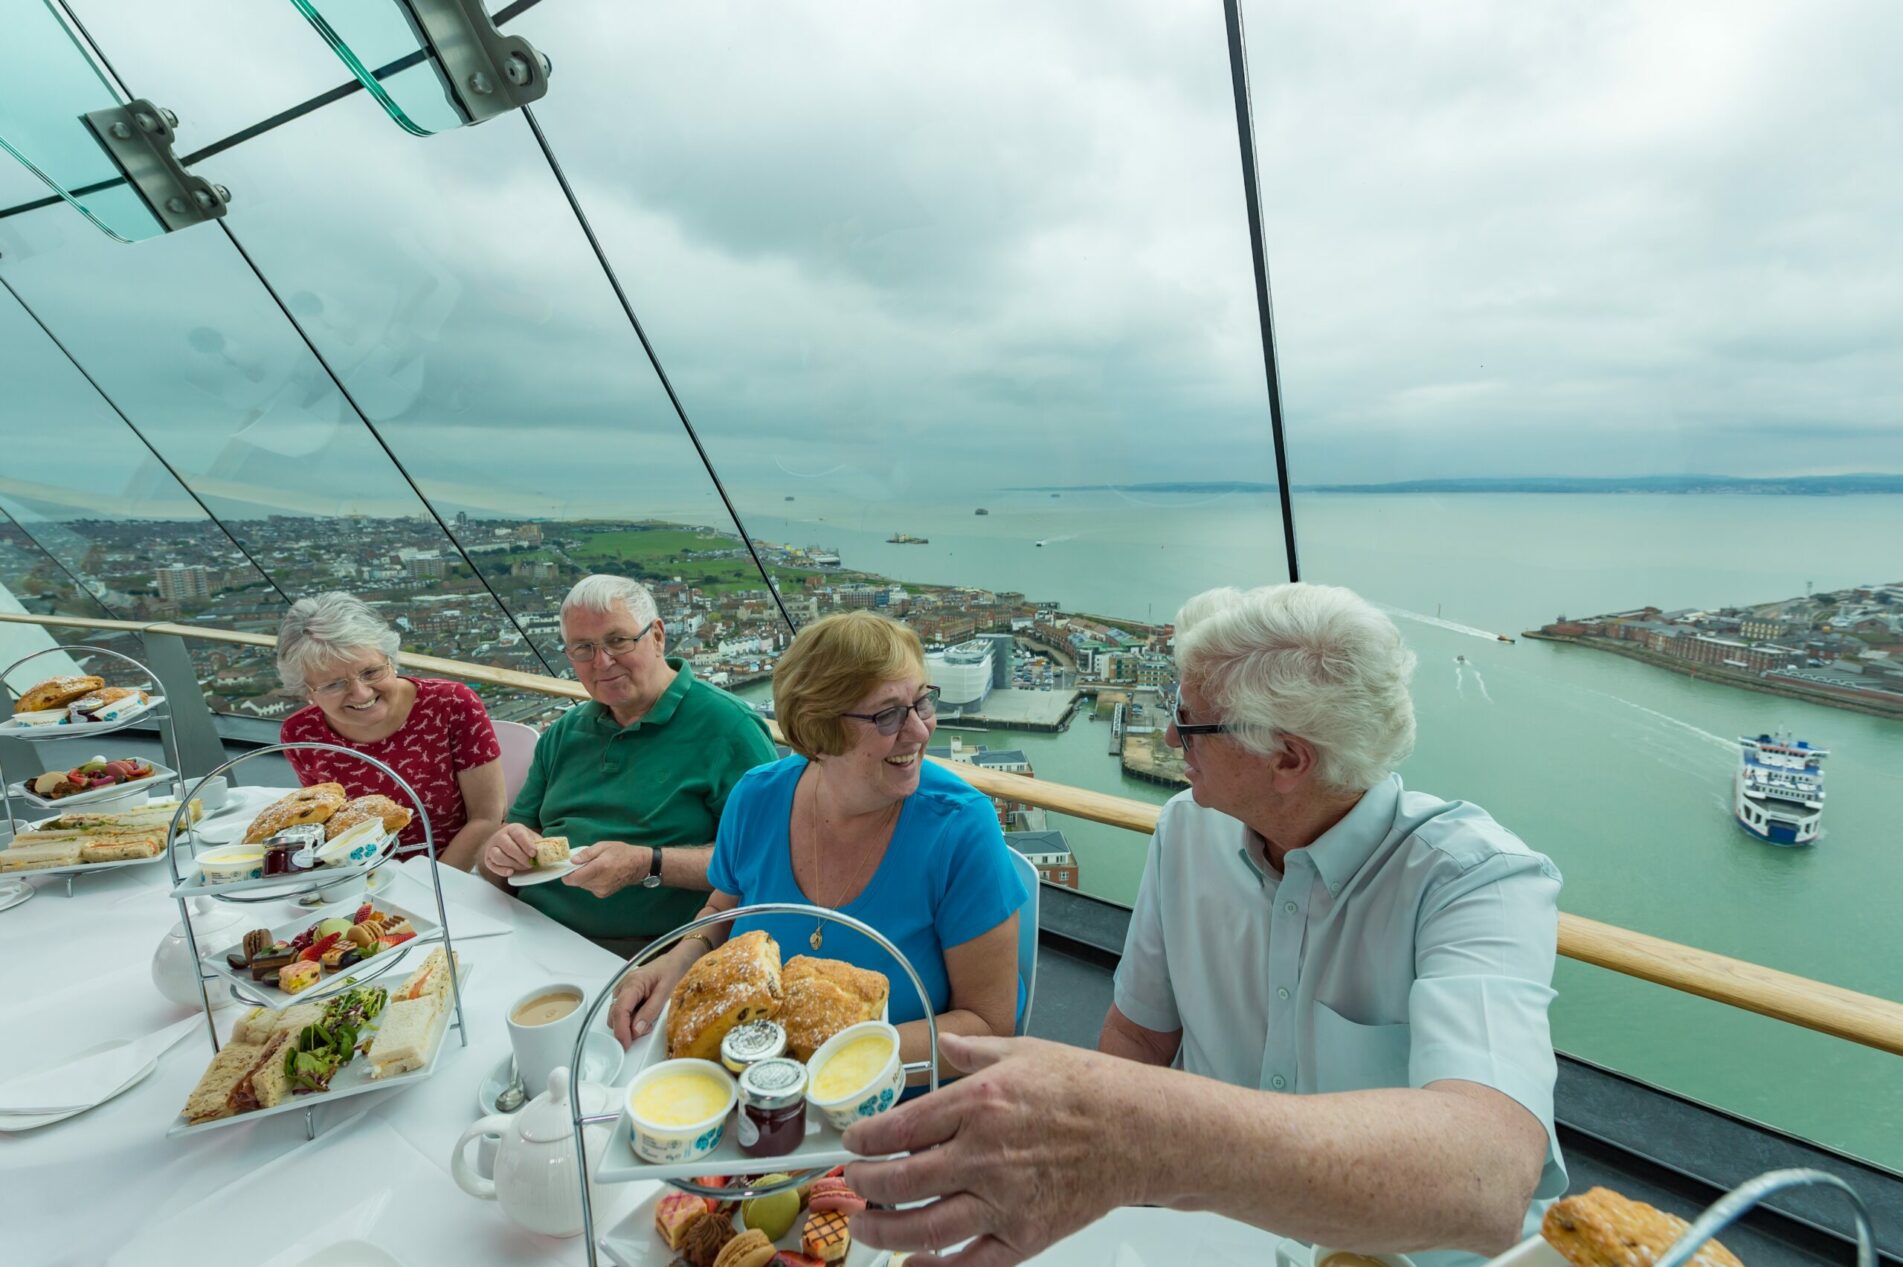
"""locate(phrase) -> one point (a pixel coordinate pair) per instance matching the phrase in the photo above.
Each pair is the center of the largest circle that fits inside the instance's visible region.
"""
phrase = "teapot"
(214, 924)
(535, 1179)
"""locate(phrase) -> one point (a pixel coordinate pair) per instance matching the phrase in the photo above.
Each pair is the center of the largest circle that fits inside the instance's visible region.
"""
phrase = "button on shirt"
(1412, 942)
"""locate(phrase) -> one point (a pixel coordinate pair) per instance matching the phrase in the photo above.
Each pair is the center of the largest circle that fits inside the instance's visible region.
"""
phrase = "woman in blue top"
(859, 822)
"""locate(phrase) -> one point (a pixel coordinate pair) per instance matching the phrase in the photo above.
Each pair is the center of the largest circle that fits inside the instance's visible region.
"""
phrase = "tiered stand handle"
(653, 950)
(317, 882)
(168, 738)
(1729, 1208)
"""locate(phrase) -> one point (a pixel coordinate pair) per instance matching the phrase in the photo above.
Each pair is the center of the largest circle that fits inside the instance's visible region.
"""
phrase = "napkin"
(91, 1079)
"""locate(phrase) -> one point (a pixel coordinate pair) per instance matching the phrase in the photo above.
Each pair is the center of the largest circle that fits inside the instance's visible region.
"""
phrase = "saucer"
(601, 1059)
(541, 875)
(14, 892)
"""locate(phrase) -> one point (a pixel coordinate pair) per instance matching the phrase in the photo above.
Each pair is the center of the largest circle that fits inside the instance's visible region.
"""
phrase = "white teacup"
(543, 1031)
(212, 793)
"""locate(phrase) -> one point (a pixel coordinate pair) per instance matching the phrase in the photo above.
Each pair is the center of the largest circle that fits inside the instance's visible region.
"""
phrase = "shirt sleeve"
(981, 888)
(1142, 988)
(527, 808)
(1484, 950)
(750, 747)
(472, 738)
(723, 868)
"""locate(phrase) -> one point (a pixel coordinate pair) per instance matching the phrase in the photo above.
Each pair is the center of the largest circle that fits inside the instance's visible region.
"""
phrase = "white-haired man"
(1373, 965)
(639, 775)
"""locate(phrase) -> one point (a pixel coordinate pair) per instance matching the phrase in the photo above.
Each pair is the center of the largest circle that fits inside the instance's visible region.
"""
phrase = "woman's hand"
(607, 867)
(640, 996)
(510, 850)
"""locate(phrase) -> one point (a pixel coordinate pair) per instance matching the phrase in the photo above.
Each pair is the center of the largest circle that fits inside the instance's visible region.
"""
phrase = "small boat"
(981, 511)
(1504, 638)
(1460, 659)
(907, 539)
(1040, 545)
(1778, 791)
(789, 498)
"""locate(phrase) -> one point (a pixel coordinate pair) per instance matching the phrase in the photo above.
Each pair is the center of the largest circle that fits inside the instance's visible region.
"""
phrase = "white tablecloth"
(108, 1186)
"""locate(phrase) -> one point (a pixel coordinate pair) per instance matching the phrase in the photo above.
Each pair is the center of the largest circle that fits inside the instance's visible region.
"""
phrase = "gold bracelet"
(702, 938)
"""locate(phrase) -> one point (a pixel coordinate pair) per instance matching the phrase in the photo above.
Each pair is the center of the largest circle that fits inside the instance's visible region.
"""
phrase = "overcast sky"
(912, 251)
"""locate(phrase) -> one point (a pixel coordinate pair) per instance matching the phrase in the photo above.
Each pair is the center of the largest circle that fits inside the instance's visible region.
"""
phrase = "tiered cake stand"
(301, 883)
(647, 954)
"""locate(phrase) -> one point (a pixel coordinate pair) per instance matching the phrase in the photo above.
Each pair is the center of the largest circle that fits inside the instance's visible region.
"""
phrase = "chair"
(1027, 937)
(517, 742)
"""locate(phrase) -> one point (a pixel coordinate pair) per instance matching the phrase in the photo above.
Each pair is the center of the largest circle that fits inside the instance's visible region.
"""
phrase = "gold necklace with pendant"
(812, 828)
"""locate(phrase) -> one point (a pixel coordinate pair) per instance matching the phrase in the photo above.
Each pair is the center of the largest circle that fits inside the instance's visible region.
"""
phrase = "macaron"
(749, 1249)
(831, 1193)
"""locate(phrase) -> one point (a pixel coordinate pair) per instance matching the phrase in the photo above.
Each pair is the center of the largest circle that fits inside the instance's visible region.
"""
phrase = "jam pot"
(772, 1107)
(751, 1043)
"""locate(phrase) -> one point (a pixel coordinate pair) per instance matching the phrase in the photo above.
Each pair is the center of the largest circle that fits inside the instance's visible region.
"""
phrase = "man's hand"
(640, 996)
(1030, 1148)
(510, 850)
(607, 867)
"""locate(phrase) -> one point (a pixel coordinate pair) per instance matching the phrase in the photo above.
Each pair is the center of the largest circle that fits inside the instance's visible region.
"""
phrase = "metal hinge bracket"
(138, 136)
(485, 72)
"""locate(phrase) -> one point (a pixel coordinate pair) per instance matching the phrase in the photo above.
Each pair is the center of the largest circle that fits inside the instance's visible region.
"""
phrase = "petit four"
(675, 1211)
(705, 1237)
(299, 974)
(827, 1235)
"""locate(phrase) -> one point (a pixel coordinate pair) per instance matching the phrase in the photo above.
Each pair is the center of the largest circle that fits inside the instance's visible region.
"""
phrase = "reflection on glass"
(51, 82)
(369, 35)
(1565, 366)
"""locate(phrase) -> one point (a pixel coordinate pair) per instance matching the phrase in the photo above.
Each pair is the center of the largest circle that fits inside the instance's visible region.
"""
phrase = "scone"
(361, 810)
(57, 692)
(822, 997)
(1600, 1228)
(314, 804)
(551, 851)
(738, 982)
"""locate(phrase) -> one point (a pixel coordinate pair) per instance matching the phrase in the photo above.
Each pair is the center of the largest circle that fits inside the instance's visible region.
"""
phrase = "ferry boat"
(907, 539)
(1778, 792)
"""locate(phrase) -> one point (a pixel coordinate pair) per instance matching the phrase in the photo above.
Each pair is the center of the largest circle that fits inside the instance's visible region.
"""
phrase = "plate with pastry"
(551, 863)
(312, 959)
(367, 1038)
(92, 839)
(756, 1065)
(311, 837)
(95, 782)
(796, 1228)
(77, 704)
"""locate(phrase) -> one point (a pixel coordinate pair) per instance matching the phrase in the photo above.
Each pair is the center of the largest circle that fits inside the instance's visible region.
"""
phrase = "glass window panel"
(367, 35)
(1542, 277)
(51, 82)
(977, 322)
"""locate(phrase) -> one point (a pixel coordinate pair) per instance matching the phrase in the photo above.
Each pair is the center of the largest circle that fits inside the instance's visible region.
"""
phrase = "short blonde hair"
(830, 667)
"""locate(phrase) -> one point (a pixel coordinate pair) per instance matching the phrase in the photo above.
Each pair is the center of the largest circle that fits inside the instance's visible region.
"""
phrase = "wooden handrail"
(1828, 1009)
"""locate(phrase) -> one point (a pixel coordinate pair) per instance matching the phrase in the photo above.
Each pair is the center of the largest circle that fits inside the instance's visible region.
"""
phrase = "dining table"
(367, 1179)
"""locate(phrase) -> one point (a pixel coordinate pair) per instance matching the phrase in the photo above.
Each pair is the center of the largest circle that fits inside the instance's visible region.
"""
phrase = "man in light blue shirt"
(1373, 965)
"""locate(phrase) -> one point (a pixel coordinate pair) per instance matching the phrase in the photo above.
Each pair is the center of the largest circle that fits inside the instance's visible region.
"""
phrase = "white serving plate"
(633, 1242)
(541, 875)
(428, 932)
(1531, 1252)
(78, 729)
(195, 884)
(158, 780)
(352, 1080)
(822, 1148)
(76, 867)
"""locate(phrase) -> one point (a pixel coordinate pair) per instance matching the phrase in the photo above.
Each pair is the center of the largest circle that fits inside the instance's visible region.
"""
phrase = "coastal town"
(1843, 648)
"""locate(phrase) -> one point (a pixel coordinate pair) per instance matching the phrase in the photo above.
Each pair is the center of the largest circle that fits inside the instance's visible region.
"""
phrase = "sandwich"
(551, 851)
(265, 1084)
(120, 848)
(32, 855)
(405, 1038)
(57, 692)
(430, 982)
(211, 1098)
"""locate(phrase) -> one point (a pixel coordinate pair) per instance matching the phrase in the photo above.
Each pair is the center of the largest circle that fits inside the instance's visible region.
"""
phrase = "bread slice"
(824, 996)
(737, 983)
(403, 1037)
(265, 1083)
(211, 1098)
(31, 855)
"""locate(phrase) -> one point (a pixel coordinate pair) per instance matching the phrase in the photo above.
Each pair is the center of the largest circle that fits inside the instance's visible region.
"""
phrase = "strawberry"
(318, 947)
(363, 913)
(398, 939)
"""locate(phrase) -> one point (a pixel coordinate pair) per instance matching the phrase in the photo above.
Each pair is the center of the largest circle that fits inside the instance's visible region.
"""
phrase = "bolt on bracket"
(484, 72)
(138, 138)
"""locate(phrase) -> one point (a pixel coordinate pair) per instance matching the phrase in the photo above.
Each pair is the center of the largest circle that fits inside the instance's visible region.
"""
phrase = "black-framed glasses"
(615, 644)
(888, 720)
(1187, 731)
(369, 677)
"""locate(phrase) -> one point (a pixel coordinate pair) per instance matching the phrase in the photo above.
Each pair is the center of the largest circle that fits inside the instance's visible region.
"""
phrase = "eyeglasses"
(888, 720)
(615, 644)
(369, 677)
(1187, 731)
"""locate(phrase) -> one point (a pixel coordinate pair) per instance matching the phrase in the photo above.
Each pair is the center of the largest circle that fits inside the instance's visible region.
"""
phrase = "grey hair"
(1315, 661)
(330, 627)
(602, 593)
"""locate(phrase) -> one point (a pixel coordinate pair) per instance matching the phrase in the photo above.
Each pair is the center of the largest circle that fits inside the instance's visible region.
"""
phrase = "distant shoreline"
(1666, 485)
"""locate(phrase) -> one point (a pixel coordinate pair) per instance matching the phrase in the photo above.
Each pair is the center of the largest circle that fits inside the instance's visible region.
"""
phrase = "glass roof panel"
(51, 84)
(369, 34)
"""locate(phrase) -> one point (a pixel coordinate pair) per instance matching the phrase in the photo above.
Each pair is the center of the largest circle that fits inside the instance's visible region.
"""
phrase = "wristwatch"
(653, 878)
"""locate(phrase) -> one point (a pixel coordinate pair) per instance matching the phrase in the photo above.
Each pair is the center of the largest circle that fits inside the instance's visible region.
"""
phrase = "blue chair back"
(1027, 938)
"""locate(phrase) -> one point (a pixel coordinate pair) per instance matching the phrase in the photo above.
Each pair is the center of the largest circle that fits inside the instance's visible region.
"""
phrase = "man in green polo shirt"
(636, 778)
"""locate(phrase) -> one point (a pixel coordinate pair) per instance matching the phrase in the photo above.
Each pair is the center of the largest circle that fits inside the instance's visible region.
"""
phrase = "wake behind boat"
(1778, 792)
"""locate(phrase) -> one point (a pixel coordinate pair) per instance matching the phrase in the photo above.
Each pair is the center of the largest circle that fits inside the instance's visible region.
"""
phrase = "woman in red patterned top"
(339, 654)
